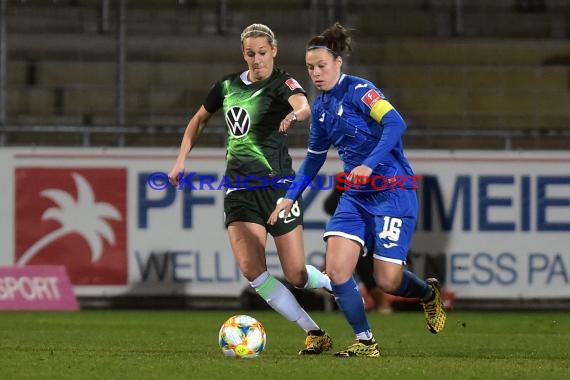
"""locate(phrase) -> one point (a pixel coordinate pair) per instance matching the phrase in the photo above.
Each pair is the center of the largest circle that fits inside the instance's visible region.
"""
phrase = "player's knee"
(298, 278)
(388, 285)
(338, 276)
(251, 273)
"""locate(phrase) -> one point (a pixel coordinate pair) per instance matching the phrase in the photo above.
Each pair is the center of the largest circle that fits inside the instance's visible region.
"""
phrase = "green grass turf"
(183, 345)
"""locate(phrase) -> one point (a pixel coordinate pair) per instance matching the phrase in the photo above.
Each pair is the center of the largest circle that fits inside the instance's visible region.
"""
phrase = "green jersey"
(256, 151)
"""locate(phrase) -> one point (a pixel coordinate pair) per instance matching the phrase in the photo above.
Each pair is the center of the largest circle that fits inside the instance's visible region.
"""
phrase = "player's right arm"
(212, 103)
(191, 135)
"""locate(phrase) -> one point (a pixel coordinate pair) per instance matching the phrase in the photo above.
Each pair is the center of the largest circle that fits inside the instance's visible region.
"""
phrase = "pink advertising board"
(36, 287)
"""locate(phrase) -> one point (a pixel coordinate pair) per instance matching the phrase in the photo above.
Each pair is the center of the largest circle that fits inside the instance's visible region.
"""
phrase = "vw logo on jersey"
(238, 121)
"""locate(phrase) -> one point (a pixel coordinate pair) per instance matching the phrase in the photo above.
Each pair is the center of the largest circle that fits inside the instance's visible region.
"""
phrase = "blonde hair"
(259, 30)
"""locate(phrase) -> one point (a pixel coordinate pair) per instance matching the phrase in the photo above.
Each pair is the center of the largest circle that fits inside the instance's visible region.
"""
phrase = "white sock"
(365, 335)
(282, 301)
(317, 279)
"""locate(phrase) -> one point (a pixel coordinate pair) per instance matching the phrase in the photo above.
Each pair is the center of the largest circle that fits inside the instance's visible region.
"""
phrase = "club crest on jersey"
(371, 97)
(292, 84)
(238, 121)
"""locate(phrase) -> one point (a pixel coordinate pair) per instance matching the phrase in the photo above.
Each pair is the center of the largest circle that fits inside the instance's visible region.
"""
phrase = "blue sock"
(349, 300)
(413, 287)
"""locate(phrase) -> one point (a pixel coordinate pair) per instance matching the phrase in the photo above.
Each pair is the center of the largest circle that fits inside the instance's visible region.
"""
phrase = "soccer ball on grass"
(242, 336)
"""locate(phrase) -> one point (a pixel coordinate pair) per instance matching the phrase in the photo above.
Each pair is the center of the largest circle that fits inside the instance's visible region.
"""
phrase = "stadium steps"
(62, 68)
(531, 140)
(486, 121)
(140, 74)
(459, 51)
(223, 49)
(51, 18)
(468, 77)
(89, 100)
(471, 97)
(481, 18)
(474, 102)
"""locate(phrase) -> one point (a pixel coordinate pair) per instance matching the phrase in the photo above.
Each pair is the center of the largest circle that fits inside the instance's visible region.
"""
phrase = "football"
(242, 336)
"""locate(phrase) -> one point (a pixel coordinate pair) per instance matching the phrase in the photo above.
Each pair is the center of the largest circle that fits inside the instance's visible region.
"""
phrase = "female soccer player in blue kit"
(378, 210)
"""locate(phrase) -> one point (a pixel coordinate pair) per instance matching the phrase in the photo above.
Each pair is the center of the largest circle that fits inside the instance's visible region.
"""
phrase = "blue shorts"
(387, 236)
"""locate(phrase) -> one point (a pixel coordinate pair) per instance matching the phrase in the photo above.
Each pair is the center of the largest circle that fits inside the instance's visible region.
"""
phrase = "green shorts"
(255, 206)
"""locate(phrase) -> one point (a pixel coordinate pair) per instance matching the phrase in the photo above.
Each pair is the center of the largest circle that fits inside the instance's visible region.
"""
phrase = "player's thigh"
(393, 236)
(268, 199)
(243, 206)
(351, 222)
(341, 258)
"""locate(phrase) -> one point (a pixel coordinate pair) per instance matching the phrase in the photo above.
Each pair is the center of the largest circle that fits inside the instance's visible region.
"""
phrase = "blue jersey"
(365, 128)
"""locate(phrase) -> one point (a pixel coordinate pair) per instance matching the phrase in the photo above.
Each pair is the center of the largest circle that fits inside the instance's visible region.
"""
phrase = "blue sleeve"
(393, 128)
(319, 145)
(308, 170)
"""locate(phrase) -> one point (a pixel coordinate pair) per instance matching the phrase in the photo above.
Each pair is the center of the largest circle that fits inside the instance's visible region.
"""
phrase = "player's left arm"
(301, 111)
(301, 107)
(375, 105)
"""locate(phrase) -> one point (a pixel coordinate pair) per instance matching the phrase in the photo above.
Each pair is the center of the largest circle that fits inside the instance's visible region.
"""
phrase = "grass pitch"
(183, 345)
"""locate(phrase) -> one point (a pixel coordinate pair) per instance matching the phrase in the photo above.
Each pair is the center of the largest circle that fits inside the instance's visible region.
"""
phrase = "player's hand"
(287, 122)
(282, 209)
(360, 174)
(174, 175)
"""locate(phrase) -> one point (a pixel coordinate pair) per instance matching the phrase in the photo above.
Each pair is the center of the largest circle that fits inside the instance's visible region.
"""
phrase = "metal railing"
(215, 135)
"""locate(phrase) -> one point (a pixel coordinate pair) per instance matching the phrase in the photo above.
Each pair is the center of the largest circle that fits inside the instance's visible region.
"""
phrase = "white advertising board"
(502, 219)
